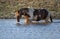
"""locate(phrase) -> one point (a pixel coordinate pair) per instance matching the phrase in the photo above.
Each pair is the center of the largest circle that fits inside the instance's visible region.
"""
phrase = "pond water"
(9, 30)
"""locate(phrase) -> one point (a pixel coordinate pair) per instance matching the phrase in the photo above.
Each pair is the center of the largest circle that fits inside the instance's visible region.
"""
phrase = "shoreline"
(23, 18)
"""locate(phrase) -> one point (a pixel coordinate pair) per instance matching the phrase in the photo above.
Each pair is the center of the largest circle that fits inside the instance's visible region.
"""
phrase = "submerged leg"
(27, 20)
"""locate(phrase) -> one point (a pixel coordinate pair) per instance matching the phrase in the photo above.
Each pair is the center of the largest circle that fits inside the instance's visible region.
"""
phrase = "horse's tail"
(51, 18)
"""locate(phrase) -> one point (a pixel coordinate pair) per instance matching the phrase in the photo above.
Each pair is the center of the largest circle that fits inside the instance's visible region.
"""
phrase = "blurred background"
(8, 7)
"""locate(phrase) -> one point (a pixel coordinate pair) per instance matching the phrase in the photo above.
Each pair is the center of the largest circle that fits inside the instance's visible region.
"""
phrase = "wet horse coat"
(35, 14)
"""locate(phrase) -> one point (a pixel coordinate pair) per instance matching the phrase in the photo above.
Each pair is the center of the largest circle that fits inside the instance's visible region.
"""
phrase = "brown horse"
(35, 14)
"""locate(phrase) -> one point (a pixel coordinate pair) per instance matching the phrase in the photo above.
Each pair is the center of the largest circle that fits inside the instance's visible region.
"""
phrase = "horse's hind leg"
(27, 20)
(51, 18)
(48, 19)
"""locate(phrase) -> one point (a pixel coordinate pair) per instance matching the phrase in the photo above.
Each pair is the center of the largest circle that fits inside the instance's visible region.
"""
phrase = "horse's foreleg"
(27, 20)
(51, 18)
